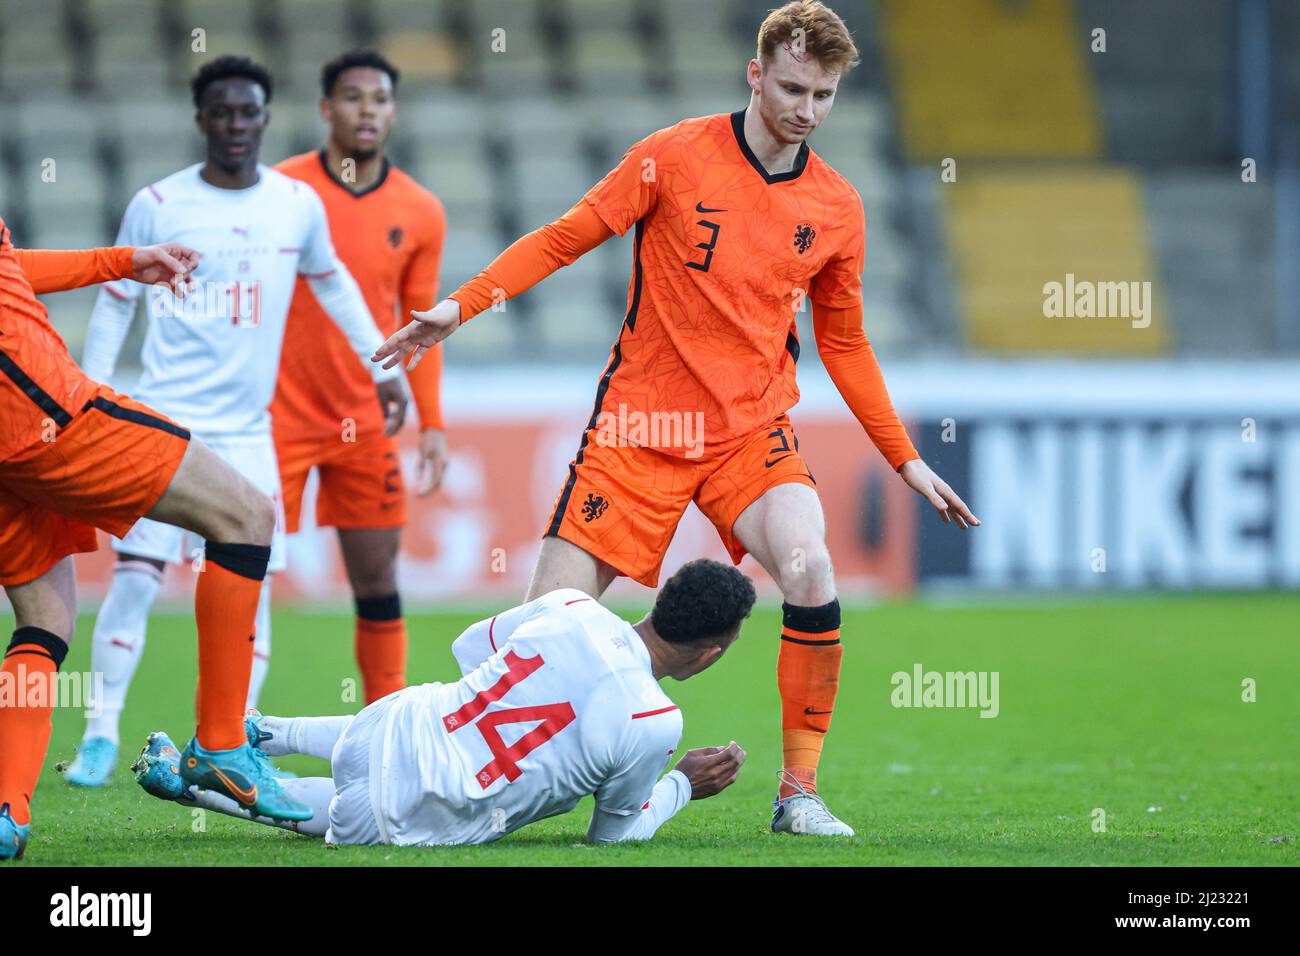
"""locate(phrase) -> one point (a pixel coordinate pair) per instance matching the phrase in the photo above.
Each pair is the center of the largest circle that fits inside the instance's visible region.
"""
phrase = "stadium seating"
(511, 138)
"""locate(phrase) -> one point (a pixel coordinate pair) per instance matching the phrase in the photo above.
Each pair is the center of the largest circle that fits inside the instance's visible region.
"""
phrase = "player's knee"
(375, 580)
(261, 519)
(808, 579)
(249, 520)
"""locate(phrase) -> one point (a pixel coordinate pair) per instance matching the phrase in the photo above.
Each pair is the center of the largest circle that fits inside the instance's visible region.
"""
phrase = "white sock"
(261, 644)
(118, 641)
(313, 736)
(316, 792)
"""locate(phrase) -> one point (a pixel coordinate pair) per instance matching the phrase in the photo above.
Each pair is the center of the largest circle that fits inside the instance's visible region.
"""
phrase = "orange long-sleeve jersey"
(40, 384)
(57, 270)
(390, 237)
(724, 255)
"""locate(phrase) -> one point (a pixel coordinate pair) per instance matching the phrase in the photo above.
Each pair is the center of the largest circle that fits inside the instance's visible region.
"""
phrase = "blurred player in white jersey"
(559, 700)
(210, 361)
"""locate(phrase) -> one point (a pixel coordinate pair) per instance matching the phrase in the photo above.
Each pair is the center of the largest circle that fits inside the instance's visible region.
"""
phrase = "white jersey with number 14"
(558, 702)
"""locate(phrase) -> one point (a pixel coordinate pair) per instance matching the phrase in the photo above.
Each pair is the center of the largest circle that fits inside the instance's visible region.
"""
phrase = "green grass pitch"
(1130, 705)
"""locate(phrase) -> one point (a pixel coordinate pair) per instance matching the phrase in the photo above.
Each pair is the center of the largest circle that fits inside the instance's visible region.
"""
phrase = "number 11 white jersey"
(210, 359)
(558, 702)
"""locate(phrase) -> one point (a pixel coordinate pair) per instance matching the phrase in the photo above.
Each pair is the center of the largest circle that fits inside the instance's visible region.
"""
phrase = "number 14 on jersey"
(505, 760)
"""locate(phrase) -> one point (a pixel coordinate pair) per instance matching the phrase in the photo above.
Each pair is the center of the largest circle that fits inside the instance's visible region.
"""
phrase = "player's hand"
(711, 769)
(392, 399)
(417, 337)
(433, 461)
(934, 489)
(168, 262)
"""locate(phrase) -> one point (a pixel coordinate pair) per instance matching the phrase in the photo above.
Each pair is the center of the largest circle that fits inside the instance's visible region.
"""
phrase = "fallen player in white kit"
(559, 700)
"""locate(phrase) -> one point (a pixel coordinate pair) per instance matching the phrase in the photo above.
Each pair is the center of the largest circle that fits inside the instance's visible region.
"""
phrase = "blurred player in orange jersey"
(738, 223)
(388, 231)
(75, 456)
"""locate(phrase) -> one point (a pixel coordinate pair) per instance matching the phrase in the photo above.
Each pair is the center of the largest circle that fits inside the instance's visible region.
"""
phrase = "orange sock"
(808, 676)
(380, 644)
(26, 707)
(225, 604)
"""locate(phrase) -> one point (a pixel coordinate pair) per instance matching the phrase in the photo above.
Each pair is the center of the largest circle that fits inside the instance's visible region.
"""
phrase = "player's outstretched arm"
(524, 264)
(701, 773)
(921, 479)
(56, 270)
(419, 286)
(340, 298)
(168, 262)
(425, 330)
(851, 363)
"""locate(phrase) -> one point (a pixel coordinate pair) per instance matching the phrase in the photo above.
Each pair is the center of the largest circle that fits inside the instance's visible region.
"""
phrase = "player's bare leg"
(49, 602)
(370, 558)
(562, 564)
(209, 497)
(45, 612)
(785, 531)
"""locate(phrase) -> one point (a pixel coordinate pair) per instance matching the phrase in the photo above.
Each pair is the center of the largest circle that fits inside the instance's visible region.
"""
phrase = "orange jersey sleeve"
(847, 353)
(420, 291)
(630, 190)
(851, 362)
(55, 270)
(532, 258)
(838, 283)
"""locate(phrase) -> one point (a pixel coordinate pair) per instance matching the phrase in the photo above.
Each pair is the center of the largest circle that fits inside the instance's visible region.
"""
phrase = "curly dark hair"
(330, 72)
(704, 600)
(224, 67)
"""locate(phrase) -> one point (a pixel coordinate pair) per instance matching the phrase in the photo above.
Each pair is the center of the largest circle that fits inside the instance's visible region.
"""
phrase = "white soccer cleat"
(805, 814)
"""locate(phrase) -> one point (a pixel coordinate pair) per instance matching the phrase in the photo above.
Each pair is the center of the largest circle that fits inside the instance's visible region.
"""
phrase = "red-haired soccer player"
(388, 230)
(75, 456)
(737, 222)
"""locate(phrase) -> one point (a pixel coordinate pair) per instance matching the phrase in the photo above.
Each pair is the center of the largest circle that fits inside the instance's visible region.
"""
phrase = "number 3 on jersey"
(553, 717)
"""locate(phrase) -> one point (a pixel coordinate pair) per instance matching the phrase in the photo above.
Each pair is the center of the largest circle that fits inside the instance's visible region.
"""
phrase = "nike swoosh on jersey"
(772, 461)
(699, 207)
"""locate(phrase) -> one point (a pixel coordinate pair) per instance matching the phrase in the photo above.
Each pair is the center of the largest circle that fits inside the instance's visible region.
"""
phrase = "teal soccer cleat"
(244, 777)
(13, 837)
(253, 728)
(257, 736)
(96, 759)
(158, 768)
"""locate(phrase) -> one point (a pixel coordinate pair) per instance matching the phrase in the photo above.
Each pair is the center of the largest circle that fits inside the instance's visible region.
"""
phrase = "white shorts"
(357, 757)
(253, 456)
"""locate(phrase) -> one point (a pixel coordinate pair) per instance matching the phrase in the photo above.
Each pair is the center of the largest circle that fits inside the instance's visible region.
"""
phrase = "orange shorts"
(106, 469)
(361, 482)
(622, 503)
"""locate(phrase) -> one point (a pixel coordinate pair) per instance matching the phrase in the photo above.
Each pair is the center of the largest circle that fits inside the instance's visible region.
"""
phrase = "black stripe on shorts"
(43, 400)
(113, 410)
